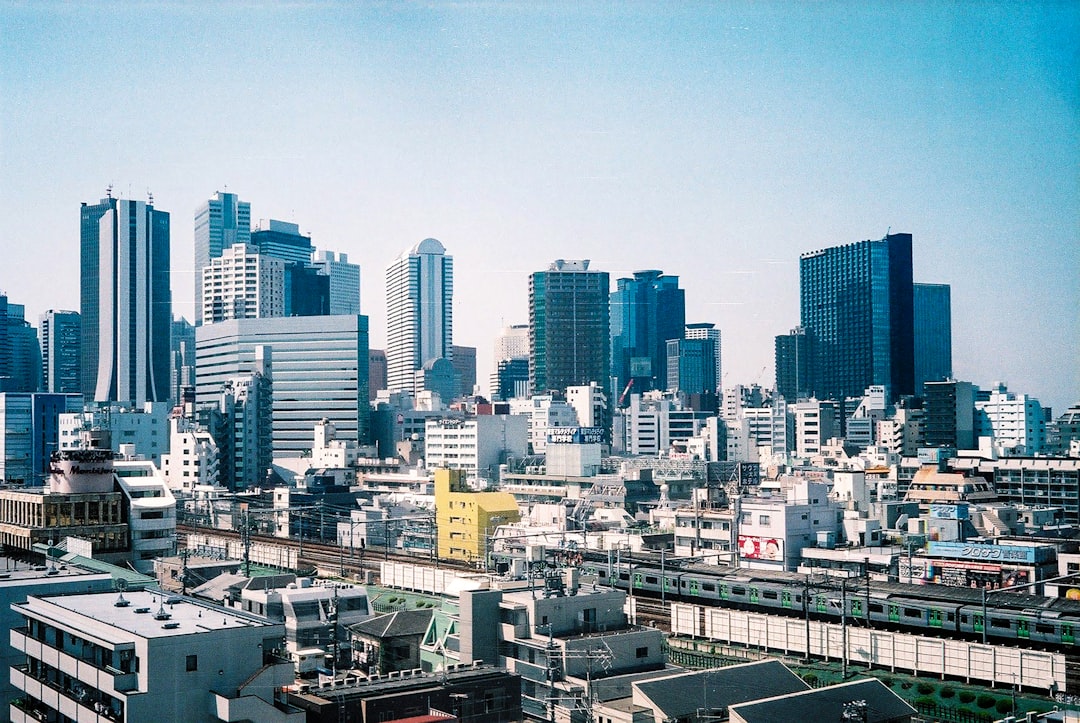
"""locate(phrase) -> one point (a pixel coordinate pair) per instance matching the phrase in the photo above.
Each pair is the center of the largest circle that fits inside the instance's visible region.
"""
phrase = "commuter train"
(1016, 618)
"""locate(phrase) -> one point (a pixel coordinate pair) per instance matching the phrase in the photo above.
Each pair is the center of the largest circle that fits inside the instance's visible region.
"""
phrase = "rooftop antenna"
(108, 191)
(150, 197)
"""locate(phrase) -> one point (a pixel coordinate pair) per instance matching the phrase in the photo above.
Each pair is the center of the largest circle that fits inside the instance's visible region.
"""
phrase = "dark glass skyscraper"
(857, 303)
(126, 302)
(933, 334)
(646, 312)
(569, 337)
(61, 346)
(794, 365)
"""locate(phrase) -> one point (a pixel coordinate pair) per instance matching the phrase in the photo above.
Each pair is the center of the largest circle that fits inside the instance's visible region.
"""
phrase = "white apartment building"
(151, 512)
(589, 402)
(143, 656)
(815, 424)
(543, 412)
(1014, 421)
(192, 459)
(651, 422)
(478, 444)
(242, 284)
(145, 427)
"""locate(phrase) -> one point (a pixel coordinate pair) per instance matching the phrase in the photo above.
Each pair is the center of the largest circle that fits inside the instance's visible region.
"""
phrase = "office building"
(691, 367)
(282, 240)
(932, 333)
(242, 284)
(419, 310)
(376, 373)
(141, 432)
(646, 312)
(20, 353)
(704, 330)
(126, 302)
(30, 432)
(569, 326)
(949, 414)
(192, 460)
(241, 423)
(320, 371)
(510, 379)
(182, 364)
(127, 657)
(794, 365)
(464, 361)
(61, 349)
(512, 342)
(223, 221)
(476, 445)
(466, 519)
(344, 281)
(857, 302)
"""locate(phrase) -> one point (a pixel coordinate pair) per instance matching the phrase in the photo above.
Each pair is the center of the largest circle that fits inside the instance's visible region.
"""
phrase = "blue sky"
(714, 141)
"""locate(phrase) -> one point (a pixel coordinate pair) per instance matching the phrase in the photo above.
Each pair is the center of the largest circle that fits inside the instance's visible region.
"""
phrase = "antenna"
(150, 197)
(108, 191)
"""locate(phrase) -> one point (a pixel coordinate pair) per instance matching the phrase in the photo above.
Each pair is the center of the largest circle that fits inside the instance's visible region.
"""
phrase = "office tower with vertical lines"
(419, 311)
(224, 220)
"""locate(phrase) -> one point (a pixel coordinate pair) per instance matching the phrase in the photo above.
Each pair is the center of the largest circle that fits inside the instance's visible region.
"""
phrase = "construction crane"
(622, 397)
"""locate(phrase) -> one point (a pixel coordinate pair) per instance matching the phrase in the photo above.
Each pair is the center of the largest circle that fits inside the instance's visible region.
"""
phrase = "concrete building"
(143, 431)
(128, 657)
(126, 302)
(815, 424)
(569, 326)
(60, 334)
(1015, 422)
(651, 423)
(182, 361)
(857, 302)
(510, 377)
(476, 445)
(192, 460)
(320, 371)
(466, 519)
(150, 512)
(344, 281)
(543, 412)
(1051, 481)
(242, 284)
(242, 422)
(224, 220)
(376, 373)
(646, 312)
(949, 414)
(590, 404)
(419, 308)
(30, 432)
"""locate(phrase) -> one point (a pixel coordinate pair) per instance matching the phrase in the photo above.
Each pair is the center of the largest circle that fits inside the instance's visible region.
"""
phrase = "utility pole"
(806, 612)
(843, 623)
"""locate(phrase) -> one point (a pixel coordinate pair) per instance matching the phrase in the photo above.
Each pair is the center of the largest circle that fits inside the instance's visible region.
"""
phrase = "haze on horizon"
(716, 142)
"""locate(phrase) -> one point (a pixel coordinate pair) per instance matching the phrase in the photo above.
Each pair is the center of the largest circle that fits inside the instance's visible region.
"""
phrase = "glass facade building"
(419, 312)
(221, 222)
(857, 303)
(646, 312)
(933, 333)
(61, 346)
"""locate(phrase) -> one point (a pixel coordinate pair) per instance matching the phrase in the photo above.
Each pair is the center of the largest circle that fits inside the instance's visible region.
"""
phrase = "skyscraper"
(856, 301)
(794, 365)
(222, 221)
(20, 353)
(705, 330)
(344, 281)
(569, 327)
(646, 312)
(182, 359)
(242, 284)
(61, 347)
(419, 310)
(126, 302)
(691, 366)
(933, 333)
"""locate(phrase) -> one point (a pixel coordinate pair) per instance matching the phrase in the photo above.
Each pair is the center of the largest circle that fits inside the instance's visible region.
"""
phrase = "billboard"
(575, 435)
(752, 547)
(949, 512)
(990, 553)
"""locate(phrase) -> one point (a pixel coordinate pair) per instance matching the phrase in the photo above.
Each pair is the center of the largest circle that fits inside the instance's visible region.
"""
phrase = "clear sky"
(714, 141)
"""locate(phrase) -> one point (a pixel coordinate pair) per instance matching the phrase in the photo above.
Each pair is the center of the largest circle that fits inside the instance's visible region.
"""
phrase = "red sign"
(761, 548)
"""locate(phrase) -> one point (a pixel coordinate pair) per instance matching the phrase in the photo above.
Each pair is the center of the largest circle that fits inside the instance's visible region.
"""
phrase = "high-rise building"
(569, 327)
(705, 330)
(221, 222)
(794, 365)
(61, 350)
(320, 372)
(464, 361)
(512, 342)
(419, 310)
(949, 414)
(282, 240)
(376, 373)
(646, 312)
(241, 424)
(20, 353)
(30, 433)
(243, 284)
(933, 333)
(126, 302)
(344, 281)
(856, 301)
(510, 379)
(1016, 422)
(691, 366)
(182, 376)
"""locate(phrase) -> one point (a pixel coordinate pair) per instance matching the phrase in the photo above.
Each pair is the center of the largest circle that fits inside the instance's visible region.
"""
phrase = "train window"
(736, 590)
(950, 617)
(1000, 623)
(769, 594)
(964, 619)
(603, 573)
(912, 613)
(708, 587)
(624, 576)
(651, 580)
(1044, 628)
(877, 608)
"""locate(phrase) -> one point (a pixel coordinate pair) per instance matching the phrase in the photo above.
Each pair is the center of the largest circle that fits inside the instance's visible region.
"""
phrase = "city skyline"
(715, 143)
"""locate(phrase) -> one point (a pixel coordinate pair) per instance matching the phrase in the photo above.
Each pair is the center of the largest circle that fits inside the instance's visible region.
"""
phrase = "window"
(192, 663)
(763, 519)
(642, 652)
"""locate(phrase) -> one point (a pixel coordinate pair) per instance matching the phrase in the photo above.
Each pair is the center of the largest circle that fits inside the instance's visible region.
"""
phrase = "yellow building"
(467, 519)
